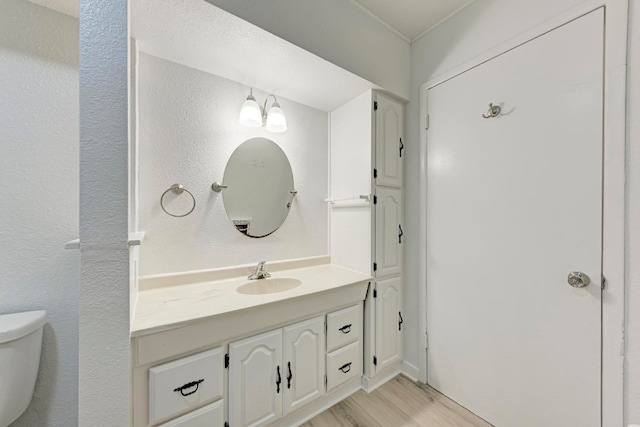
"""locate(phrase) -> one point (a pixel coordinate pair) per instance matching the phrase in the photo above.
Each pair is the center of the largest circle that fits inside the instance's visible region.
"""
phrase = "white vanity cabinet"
(211, 416)
(389, 141)
(255, 380)
(366, 158)
(344, 345)
(272, 374)
(389, 322)
(388, 232)
(304, 368)
(253, 364)
(186, 384)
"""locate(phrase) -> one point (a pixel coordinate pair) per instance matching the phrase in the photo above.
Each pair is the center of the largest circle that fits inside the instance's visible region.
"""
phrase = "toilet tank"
(20, 347)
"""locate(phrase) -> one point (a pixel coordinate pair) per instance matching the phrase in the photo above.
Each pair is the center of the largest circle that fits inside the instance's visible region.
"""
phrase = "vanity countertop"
(160, 308)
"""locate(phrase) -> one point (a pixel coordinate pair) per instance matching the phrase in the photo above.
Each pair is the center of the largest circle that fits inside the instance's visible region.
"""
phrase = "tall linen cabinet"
(366, 233)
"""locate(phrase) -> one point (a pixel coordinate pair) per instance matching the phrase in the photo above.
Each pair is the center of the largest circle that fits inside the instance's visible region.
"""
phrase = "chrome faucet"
(260, 272)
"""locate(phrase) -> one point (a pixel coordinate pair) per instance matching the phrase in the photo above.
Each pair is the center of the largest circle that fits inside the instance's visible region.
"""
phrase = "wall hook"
(494, 111)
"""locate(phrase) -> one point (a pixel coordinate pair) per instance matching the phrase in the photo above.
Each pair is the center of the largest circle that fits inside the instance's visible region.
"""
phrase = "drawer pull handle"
(345, 368)
(290, 376)
(345, 329)
(278, 380)
(189, 385)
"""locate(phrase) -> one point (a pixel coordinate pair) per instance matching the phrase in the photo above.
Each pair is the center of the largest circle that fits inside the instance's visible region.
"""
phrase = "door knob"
(578, 279)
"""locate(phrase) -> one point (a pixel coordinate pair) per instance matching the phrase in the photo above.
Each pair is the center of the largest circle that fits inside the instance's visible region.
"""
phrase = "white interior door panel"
(514, 205)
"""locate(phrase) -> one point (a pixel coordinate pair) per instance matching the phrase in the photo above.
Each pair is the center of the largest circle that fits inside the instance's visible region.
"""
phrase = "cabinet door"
(389, 323)
(389, 141)
(389, 232)
(255, 380)
(303, 367)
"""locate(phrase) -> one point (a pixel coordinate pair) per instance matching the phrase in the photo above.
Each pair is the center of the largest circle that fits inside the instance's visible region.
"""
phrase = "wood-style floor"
(398, 403)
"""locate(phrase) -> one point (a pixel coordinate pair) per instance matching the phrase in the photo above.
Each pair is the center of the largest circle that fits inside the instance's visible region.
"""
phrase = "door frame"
(614, 172)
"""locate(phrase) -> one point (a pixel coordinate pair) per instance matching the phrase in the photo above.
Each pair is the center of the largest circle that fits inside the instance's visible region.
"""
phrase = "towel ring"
(177, 189)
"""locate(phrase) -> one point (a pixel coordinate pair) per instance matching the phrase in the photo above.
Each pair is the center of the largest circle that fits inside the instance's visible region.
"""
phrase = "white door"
(389, 322)
(255, 380)
(389, 153)
(514, 205)
(389, 232)
(304, 364)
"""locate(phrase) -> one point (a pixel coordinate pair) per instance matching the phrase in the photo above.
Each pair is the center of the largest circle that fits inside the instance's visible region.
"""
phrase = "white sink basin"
(268, 286)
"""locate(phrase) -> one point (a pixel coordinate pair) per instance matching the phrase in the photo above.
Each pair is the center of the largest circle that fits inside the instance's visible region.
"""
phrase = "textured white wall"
(479, 28)
(336, 30)
(39, 187)
(188, 128)
(104, 362)
(632, 363)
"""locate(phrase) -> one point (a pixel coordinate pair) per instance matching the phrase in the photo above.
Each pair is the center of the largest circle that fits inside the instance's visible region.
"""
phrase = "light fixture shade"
(250, 114)
(276, 121)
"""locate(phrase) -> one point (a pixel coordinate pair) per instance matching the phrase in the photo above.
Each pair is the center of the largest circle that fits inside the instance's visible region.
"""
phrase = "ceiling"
(209, 39)
(411, 18)
(68, 7)
(408, 18)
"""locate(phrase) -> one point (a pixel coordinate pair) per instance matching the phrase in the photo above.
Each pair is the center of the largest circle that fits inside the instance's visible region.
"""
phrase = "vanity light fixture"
(251, 115)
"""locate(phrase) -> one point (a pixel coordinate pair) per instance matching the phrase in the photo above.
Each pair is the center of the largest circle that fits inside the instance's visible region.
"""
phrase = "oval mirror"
(259, 189)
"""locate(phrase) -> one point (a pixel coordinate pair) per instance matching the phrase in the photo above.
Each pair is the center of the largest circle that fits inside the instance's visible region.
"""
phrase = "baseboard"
(410, 371)
(309, 411)
(370, 384)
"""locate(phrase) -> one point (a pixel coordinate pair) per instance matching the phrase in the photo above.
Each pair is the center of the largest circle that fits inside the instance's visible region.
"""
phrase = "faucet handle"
(260, 272)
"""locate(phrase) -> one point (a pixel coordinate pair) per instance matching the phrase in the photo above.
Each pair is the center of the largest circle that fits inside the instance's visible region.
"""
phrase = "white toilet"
(20, 345)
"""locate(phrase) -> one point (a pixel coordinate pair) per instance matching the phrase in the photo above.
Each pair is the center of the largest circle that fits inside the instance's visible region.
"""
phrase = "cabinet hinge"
(375, 361)
(375, 172)
(375, 105)
(375, 199)
(375, 293)
(226, 424)
(426, 340)
(325, 382)
(426, 121)
(226, 360)
(325, 327)
(375, 267)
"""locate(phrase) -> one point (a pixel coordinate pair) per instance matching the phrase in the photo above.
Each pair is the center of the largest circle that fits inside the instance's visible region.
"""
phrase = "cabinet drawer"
(210, 416)
(343, 327)
(343, 364)
(185, 384)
